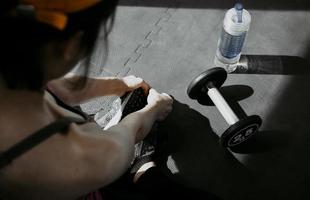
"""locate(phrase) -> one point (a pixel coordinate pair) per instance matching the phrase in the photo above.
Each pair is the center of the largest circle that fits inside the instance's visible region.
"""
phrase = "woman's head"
(43, 39)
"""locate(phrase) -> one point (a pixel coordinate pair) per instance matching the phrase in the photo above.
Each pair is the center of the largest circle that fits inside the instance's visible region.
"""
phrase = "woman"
(48, 150)
(41, 41)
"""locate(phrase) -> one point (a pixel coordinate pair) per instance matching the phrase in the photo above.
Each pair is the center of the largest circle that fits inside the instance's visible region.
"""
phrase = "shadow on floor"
(270, 64)
(280, 153)
(197, 158)
(222, 4)
(276, 164)
(275, 161)
(285, 163)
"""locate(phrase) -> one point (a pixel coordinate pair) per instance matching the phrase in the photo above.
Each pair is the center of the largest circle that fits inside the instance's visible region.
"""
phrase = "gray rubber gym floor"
(168, 43)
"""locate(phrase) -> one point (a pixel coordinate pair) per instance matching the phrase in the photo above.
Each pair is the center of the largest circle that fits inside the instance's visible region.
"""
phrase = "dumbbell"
(240, 130)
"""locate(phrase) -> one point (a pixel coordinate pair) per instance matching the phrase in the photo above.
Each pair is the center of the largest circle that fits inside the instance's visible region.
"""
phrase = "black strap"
(31, 141)
(76, 109)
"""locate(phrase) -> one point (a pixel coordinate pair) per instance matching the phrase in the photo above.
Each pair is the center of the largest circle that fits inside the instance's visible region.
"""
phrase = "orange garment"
(54, 12)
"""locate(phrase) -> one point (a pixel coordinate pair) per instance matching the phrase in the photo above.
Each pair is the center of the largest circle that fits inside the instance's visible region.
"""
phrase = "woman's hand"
(158, 108)
(160, 104)
(94, 87)
(132, 82)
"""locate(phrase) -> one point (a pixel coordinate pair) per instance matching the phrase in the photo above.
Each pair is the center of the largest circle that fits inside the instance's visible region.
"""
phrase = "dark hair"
(22, 40)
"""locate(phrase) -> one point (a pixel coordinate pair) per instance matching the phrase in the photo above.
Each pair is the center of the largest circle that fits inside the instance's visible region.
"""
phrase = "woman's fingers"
(134, 82)
(162, 102)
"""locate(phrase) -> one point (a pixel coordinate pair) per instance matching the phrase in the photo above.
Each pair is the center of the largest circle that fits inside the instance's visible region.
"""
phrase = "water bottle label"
(230, 45)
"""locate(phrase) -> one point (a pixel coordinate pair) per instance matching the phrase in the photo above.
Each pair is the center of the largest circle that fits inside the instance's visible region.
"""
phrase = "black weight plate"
(215, 75)
(241, 131)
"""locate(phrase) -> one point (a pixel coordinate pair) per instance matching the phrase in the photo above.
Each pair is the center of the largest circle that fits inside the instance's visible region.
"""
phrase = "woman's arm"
(85, 158)
(105, 165)
(63, 88)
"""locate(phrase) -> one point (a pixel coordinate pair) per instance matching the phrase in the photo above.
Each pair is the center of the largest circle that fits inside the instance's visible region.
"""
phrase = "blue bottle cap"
(239, 9)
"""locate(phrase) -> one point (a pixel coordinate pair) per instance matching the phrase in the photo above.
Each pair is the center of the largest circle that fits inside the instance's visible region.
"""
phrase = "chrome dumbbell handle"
(221, 104)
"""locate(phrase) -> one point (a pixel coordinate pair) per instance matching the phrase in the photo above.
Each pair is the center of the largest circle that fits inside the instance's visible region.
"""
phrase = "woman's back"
(55, 168)
(45, 165)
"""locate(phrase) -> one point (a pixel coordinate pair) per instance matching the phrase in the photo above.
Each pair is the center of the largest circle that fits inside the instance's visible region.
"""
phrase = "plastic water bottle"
(236, 24)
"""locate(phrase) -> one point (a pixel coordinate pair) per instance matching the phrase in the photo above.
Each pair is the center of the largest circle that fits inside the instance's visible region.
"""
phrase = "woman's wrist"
(117, 86)
(109, 86)
(150, 111)
(145, 118)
